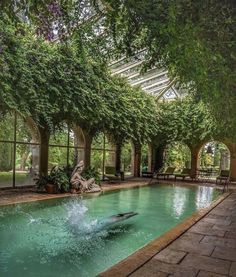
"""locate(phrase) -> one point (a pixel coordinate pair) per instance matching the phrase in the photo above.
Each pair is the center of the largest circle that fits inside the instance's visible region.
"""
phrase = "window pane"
(75, 155)
(60, 137)
(7, 128)
(97, 160)
(110, 158)
(6, 164)
(98, 142)
(57, 156)
(26, 131)
(27, 164)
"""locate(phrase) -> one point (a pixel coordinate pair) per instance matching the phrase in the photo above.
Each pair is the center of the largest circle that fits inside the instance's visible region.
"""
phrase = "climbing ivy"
(185, 121)
(69, 80)
(58, 82)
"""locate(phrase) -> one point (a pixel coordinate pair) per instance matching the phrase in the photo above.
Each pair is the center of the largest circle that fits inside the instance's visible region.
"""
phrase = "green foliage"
(96, 159)
(218, 159)
(194, 40)
(178, 155)
(57, 156)
(6, 156)
(62, 81)
(126, 154)
(144, 157)
(69, 81)
(58, 177)
(185, 121)
(91, 172)
(42, 181)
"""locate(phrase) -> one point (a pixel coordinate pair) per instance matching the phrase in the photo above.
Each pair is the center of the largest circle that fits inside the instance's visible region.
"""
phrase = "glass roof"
(154, 81)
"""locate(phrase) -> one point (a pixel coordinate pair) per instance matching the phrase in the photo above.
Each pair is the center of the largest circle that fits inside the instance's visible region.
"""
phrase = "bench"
(183, 174)
(147, 174)
(112, 175)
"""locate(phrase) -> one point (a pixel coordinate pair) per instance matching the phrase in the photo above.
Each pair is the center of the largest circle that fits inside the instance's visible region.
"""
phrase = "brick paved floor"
(207, 249)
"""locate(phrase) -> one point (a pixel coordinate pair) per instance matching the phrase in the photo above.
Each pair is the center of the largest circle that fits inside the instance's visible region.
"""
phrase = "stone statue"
(80, 183)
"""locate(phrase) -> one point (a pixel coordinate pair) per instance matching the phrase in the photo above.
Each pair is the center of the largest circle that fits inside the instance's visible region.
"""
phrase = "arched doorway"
(177, 155)
(127, 159)
(213, 157)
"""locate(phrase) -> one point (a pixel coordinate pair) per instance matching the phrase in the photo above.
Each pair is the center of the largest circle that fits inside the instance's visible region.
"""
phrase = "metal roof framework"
(154, 81)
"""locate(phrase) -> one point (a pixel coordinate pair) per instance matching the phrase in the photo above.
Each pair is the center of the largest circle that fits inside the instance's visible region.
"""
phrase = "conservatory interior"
(117, 138)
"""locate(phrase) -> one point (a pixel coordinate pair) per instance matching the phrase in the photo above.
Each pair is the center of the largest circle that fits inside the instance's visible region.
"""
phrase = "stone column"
(87, 149)
(44, 147)
(35, 138)
(232, 149)
(79, 141)
(111, 156)
(158, 157)
(150, 157)
(137, 160)
(118, 157)
(194, 160)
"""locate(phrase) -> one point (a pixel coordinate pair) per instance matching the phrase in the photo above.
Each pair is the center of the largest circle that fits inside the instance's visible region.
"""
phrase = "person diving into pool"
(115, 219)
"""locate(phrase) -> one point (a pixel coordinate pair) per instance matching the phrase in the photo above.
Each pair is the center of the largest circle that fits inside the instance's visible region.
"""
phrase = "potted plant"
(57, 181)
(45, 183)
(60, 178)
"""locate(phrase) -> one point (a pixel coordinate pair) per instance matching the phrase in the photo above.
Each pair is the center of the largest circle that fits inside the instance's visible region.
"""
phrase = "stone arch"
(79, 143)
(35, 142)
(79, 136)
(180, 162)
(222, 159)
(33, 129)
(195, 150)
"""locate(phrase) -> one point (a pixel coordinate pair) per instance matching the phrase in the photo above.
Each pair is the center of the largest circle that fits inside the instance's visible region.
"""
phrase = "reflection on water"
(179, 201)
(204, 195)
(72, 237)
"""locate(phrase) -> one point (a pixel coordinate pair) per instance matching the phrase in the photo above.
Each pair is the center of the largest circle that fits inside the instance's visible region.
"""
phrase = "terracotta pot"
(50, 188)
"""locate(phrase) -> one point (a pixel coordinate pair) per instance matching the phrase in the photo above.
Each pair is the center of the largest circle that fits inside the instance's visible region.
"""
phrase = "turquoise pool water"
(65, 237)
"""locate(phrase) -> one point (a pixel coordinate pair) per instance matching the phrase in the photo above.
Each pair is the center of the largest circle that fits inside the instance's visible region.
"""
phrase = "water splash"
(77, 218)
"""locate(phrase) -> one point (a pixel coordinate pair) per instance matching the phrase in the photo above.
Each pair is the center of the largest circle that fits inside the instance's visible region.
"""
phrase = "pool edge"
(134, 261)
(46, 196)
